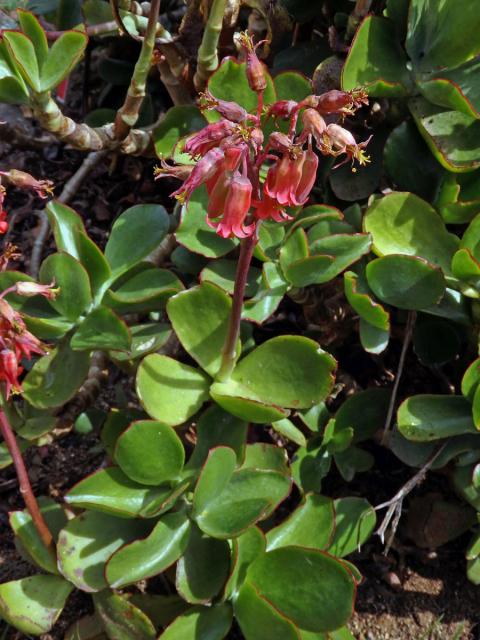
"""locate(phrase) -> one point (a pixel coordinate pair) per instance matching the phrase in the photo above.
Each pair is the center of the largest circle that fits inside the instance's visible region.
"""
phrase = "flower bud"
(280, 142)
(29, 289)
(282, 109)
(201, 172)
(210, 136)
(255, 69)
(229, 110)
(23, 180)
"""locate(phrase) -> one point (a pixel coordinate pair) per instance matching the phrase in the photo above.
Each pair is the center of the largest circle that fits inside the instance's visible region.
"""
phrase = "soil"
(410, 594)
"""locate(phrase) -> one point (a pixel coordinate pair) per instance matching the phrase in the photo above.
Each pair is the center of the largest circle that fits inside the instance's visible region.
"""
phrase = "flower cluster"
(232, 153)
(16, 342)
(22, 180)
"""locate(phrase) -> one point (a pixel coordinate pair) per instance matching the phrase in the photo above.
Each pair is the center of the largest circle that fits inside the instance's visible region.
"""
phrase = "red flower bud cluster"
(232, 155)
(16, 342)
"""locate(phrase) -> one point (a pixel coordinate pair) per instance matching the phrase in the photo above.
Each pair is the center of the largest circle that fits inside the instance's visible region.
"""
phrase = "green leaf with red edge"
(102, 329)
(291, 85)
(302, 584)
(200, 318)
(111, 491)
(226, 502)
(259, 619)
(284, 372)
(355, 521)
(433, 33)
(169, 390)
(360, 298)
(452, 136)
(471, 380)
(32, 28)
(471, 239)
(33, 604)
(56, 377)
(245, 549)
(194, 234)
(177, 122)
(22, 51)
(150, 452)
(201, 623)
(72, 279)
(229, 82)
(135, 234)
(150, 556)
(203, 568)
(147, 290)
(466, 268)
(457, 89)
(376, 61)
(27, 535)
(64, 54)
(403, 223)
(121, 619)
(406, 282)
(311, 525)
(427, 417)
(88, 541)
(458, 197)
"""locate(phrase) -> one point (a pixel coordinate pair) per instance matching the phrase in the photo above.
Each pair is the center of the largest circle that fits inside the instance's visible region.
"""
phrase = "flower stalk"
(25, 486)
(229, 352)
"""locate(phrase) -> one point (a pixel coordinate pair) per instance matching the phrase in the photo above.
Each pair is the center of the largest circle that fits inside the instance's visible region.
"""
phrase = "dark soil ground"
(410, 594)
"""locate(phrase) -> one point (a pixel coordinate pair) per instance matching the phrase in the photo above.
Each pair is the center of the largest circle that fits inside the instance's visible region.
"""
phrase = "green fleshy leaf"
(177, 122)
(226, 502)
(111, 491)
(288, 430)
(291, 85)
(452, 136)
(150, 452)
(150, 556)
(470, 239)
(169, 390)
(311, 525)
(471, 380)
(245, 549)
(365, 412)
(358, 295)
(203, 568)
(194, 233)
(286, 371)
(222, 273)
(88, 541)
(423, 418)
(200, 318)
(148, 290)
(270, 293)
(201, 623)
(22, 50)
(62, 58)
(355, 521)
(146, 338)
(218, 428)
(22, 525)
(33, 605)
(314, 580)
(377, 61)
(259, 619)
(72, 279)
(406, 282)
(135, 234)
(432, 37)
(55, 378)
(403, 223)
(121, 619)
(32, 28)
(102, 329)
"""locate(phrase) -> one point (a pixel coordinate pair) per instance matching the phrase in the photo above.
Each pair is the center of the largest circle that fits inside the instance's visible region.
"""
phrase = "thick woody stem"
(170, 66)
(25, 486)
(229, 352)
(207, 60)
(127, 116)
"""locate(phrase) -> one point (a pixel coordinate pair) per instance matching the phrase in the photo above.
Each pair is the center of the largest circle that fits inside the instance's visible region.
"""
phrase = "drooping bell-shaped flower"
(231, 198)
(9, 371)
(314, 126)
(269, 209)
(292, 177)
(229, 110)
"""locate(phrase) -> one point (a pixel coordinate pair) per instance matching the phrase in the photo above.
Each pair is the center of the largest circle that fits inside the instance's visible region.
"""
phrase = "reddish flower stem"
(229, 352)
(25, 486)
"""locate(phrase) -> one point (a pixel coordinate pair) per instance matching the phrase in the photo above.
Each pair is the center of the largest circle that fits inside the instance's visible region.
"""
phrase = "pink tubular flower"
(338, 140)
(3, 213)
(291, 178)
(9, 372)
(232, 197)
(268, 208)
(229, 110)
(282, 109)
(202, 171)
(313, 126)
(208, 138)
(29, 289)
